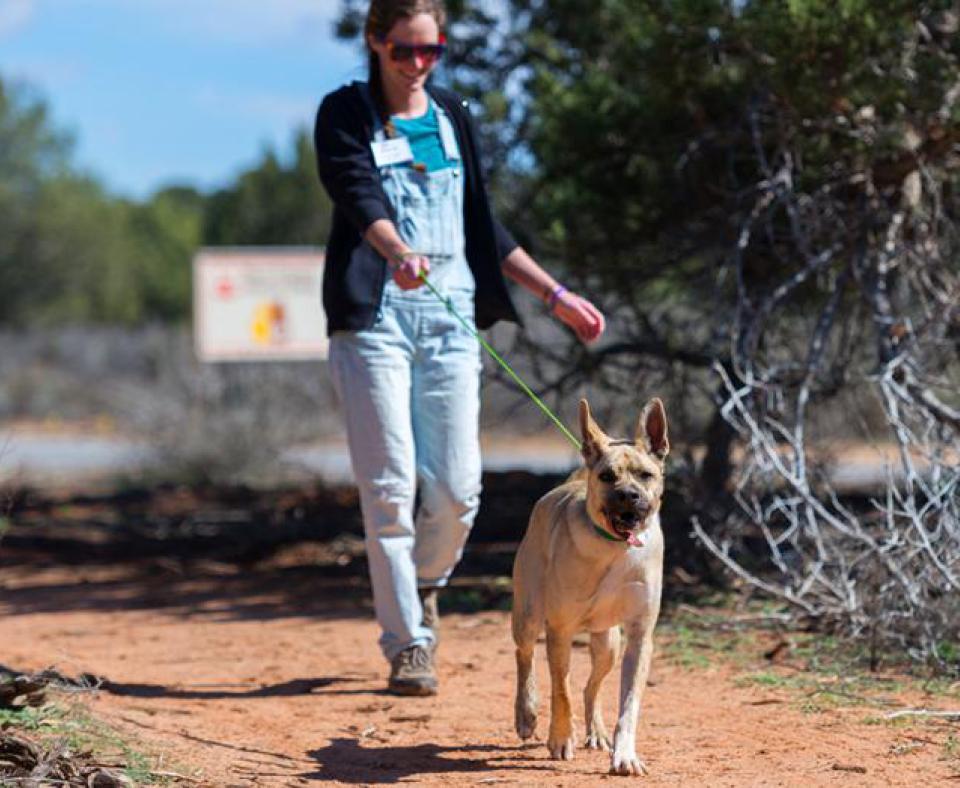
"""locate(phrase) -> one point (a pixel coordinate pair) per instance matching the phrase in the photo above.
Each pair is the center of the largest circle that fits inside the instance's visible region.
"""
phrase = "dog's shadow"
(347, 761)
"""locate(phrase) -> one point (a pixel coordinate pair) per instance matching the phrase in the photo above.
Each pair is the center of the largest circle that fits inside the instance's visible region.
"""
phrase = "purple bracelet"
(555, 296)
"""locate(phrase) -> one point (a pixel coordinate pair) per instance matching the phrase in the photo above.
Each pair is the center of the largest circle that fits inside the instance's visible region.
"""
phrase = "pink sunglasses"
(429, 53)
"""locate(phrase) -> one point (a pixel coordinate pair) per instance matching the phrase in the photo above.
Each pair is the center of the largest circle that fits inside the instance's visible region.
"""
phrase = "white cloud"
(255, 21)
(281, 112)
(247, 22)
(14, 15)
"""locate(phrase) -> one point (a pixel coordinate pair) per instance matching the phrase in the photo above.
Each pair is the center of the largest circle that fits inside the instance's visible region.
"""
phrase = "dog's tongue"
(634, 541)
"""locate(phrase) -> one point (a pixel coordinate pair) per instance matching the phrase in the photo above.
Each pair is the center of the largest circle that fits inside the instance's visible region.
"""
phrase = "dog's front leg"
(525, 706)
(633, 680)
(560, 741)
(603, 653)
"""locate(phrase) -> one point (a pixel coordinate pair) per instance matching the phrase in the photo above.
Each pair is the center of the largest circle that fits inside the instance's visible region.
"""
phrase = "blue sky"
(173, 91)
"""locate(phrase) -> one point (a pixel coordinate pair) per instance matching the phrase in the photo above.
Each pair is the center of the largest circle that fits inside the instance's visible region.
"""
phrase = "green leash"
(516, 378)
(539, 402)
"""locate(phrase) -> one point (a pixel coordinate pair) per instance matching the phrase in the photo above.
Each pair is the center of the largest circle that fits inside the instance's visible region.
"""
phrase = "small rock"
(102, 778)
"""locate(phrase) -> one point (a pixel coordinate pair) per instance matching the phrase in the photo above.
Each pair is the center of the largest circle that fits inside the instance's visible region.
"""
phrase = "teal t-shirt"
(423, 134)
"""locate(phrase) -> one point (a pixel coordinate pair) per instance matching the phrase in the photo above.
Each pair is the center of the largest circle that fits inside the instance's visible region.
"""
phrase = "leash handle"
(509, 370)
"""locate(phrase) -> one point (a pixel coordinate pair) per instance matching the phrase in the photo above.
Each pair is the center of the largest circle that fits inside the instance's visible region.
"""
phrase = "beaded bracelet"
(555, 296)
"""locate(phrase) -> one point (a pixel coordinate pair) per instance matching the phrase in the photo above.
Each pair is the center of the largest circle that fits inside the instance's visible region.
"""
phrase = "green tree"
(30, 153)
(77, 259)
(763, 195)
(165, 232)
(727, 175)
(69, 251)
(274, 202)
(653, 137)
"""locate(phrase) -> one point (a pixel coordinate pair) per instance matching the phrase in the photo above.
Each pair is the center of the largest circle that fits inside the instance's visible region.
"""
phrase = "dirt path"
(243, 680)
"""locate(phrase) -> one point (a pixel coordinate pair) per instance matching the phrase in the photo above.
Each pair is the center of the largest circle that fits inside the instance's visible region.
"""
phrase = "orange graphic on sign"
(268, 327)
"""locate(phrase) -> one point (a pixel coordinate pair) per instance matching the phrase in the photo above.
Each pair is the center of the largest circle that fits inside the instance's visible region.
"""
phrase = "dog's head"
(625, 478)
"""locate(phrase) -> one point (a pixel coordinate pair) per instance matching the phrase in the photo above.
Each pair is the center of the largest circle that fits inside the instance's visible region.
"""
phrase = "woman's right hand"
(408, 268)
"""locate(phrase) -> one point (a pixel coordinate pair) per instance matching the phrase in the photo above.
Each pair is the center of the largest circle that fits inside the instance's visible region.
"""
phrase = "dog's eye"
(607, 477)
(646, 476)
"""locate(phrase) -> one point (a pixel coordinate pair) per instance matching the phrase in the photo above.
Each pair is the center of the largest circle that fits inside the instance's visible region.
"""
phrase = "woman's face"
(404, 63)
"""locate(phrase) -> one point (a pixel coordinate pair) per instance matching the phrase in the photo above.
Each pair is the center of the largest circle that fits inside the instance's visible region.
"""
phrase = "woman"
(400, 162)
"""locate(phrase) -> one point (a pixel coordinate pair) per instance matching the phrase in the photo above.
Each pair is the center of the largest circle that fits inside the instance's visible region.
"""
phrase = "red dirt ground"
(237, 681)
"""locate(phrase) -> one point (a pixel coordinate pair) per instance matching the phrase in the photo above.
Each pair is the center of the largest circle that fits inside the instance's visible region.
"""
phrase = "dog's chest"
(623, 593)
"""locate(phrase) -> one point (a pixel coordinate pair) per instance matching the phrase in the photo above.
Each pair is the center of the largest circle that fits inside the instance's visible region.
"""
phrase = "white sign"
(258, 304)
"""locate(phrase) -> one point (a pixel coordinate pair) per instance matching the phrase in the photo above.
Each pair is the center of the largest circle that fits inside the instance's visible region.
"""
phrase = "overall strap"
(448, 135)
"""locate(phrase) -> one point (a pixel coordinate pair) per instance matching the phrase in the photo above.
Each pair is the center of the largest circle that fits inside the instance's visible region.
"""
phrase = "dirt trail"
(239, 680)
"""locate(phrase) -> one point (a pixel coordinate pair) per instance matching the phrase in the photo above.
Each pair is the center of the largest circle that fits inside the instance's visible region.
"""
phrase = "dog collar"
(606, 534)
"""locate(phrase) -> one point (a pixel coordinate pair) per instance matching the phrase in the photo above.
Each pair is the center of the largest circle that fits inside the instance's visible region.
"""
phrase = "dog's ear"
(652, 429)
(595, 439)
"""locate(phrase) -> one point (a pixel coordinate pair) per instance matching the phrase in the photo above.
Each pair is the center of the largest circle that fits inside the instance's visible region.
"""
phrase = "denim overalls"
(410, 390)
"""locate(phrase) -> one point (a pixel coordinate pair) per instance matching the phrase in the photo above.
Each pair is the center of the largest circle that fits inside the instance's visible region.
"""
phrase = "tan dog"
(592, 559)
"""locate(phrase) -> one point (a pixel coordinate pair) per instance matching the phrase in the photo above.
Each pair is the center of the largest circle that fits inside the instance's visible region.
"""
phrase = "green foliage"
(74, 268)
(84, 256)
(27, 718)
(628, 136)
(70, 725)
(71, 252)
(949, 653)
(640, 115)
(620, 133)
(30, 153)
(29, 148)
(272, 203)
(165, 232)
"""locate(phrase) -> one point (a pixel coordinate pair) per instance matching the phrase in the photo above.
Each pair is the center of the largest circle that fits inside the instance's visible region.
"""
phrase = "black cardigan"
(353, 283)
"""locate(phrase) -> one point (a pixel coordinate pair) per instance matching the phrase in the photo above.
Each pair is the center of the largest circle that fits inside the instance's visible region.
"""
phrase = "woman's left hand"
(580, 315)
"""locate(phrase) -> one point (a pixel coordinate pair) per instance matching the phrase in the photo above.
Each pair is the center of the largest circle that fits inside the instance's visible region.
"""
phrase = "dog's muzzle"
(627, 521)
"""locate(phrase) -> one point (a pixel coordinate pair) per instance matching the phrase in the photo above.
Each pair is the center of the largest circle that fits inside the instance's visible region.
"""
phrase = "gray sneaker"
(412, 673)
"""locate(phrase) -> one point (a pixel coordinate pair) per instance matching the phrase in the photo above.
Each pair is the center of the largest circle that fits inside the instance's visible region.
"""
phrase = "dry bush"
(206, 422)
(865, 305)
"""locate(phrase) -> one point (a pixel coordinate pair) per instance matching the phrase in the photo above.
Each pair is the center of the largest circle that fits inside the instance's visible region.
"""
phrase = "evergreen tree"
(272, 203)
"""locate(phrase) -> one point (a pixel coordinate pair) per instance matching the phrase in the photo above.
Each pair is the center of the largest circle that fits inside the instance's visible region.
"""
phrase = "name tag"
(395, 151)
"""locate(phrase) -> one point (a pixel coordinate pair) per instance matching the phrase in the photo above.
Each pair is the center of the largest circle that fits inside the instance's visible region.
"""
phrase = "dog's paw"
(597, 740)
(561, 749)
(526, 722)
(627, 763)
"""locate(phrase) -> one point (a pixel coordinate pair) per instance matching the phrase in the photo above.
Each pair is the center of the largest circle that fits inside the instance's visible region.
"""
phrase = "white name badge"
(393, 151)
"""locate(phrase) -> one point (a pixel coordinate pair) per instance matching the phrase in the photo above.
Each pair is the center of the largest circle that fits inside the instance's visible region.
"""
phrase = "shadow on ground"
(195, 593)
(345, 760)
(231, 553)
(283, 689)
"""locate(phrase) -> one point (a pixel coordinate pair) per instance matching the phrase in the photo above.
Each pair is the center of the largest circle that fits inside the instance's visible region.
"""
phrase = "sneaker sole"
(412, 689)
